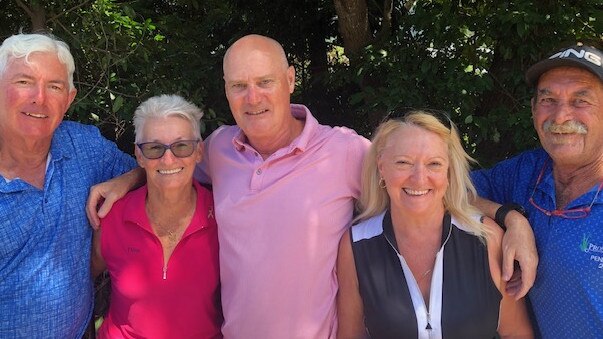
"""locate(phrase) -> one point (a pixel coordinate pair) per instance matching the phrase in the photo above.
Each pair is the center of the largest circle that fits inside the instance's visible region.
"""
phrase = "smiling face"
(258, 84)
(169, 171)
(34, 97)
(414, 164)
(568, 115)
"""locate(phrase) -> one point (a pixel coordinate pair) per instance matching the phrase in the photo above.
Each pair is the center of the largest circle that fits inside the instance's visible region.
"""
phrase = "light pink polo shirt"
(280, 224)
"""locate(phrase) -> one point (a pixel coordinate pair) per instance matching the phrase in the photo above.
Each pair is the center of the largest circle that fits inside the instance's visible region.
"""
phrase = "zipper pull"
(164, 273)
(428, 327)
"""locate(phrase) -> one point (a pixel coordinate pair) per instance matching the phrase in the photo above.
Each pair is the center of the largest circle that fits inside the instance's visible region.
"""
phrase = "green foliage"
(468, 58)
(465, 57)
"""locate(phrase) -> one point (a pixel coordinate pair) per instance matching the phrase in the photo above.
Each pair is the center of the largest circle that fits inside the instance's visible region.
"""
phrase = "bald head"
(258, 83)
(254, 43)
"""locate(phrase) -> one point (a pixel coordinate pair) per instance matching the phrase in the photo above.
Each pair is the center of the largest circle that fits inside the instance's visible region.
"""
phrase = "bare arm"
(350, 313)
(98, 265)
(102, 196)
(518, 244)
(514, 319)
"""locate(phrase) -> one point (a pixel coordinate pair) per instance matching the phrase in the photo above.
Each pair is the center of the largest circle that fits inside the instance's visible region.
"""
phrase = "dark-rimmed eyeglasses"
(572, 213)
(156, 150)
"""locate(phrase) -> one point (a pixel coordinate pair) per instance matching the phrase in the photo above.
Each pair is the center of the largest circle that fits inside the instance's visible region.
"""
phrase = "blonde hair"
(375, 200)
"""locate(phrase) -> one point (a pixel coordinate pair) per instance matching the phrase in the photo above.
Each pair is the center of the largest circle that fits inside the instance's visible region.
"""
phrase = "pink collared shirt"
(151, 299)
(280, 221)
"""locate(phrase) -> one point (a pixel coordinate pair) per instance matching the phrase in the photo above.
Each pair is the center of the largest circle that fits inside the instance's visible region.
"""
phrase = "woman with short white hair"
(159, 242)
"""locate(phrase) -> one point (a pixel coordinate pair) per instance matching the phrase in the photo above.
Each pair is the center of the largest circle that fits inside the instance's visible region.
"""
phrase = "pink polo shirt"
(148, 301)
(280, 224)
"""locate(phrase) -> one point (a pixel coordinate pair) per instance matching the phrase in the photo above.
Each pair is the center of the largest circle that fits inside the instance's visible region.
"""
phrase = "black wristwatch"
(503, 210)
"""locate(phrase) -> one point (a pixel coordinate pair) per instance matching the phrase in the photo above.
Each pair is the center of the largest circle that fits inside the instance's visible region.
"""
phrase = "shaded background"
(356, 60)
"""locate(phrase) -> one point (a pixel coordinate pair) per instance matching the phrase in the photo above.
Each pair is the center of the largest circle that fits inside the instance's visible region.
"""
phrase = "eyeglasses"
(156, 150)
(573, 213)
(402, 113)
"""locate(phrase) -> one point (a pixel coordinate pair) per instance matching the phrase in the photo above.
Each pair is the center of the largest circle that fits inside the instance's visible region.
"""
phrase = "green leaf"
(117, 104)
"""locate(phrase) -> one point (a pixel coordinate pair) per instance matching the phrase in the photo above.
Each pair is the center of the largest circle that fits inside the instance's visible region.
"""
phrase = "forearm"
(134, 178)
(102, 196)
(487, 207)
(97, 263)
(513, 220)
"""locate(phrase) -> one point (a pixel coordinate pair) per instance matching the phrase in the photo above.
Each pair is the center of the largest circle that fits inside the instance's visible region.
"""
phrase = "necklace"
(172, 228)
(173, 233)
(425, 274)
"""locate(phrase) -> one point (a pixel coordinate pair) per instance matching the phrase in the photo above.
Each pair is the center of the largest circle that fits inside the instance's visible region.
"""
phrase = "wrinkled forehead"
(38, 61)
(568, 74)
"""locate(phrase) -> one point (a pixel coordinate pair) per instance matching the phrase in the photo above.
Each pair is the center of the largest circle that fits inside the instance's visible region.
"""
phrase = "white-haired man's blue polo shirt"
(45, 283)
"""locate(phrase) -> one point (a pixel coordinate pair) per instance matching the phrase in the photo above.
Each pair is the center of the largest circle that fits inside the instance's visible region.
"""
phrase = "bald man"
(284, 190)
(284, 187)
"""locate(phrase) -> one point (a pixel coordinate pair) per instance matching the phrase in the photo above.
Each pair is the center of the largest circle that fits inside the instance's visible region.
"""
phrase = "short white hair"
(166, 105)
(23, 45)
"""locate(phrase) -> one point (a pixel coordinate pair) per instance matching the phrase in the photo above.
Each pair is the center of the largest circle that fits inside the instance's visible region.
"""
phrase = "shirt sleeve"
(357, 150)
(106, 159)
(115, 161)
(202, 173)
(508, 181)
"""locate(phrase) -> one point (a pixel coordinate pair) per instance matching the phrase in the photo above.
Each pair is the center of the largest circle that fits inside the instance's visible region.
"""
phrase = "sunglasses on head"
(156, 150)
(402, 113)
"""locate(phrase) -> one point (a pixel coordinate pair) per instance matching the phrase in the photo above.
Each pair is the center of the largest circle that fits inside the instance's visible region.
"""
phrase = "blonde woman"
(421, 262)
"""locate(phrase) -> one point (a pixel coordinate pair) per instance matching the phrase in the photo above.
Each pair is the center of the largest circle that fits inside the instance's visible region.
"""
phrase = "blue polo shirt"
(45, 284)
(567, 297)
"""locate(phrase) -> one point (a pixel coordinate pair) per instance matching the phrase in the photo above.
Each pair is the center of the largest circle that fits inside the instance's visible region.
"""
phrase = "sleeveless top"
(464, 301)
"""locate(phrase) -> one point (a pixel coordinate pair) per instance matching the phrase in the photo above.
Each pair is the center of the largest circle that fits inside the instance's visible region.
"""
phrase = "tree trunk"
(36, 13)
(353, 25)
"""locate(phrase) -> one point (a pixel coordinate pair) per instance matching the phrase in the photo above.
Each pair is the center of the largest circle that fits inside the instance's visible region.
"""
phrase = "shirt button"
(259, 171)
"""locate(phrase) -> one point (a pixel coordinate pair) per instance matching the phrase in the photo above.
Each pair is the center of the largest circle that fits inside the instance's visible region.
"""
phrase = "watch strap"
(502, 211)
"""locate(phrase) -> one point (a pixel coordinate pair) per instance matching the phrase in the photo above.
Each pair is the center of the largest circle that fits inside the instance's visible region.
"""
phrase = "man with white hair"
(47, 166)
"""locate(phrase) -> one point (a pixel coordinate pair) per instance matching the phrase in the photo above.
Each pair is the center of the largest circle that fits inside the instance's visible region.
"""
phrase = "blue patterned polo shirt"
(45, 282)
(567, 297)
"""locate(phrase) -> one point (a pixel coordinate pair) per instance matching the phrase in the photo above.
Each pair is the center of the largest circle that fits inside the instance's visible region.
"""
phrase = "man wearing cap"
(559, 186)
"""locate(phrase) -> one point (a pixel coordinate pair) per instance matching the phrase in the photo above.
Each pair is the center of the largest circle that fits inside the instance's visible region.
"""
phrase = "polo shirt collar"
(59, 149)
(59, 146)
(135, 211)
(300, 143)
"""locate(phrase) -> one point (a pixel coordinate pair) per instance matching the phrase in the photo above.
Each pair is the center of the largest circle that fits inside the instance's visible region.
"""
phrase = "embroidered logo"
(581, 54)
(133, 250)
(584, 243)
(595, 251)
(210, 213)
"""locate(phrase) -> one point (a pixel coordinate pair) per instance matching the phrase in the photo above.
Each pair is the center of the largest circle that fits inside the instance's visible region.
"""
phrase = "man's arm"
(518, 245)
(102, 196)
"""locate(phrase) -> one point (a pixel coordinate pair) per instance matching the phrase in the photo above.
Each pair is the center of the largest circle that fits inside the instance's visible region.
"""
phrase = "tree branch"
(67, 11)
(25, 8)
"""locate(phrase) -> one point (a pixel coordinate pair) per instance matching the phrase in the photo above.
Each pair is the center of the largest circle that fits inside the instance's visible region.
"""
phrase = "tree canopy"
(356, 60)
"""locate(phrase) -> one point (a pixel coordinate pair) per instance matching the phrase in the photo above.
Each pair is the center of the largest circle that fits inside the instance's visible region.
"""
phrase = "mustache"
(568, 127)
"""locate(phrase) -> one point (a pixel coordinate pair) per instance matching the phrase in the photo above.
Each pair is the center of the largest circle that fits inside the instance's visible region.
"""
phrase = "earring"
(382, 182)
